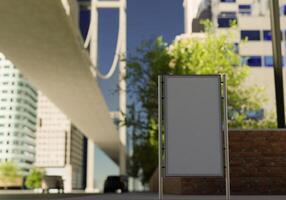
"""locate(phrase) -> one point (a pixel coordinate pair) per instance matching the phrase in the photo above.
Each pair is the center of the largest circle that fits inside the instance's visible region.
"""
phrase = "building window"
(252, 61)
(245, 9)
(268, 61)
(267, 35)
(236, 48)
(255, 115)
(250, 35)
(40, 122)
(225, 19)
(228, 1)
(284, 9)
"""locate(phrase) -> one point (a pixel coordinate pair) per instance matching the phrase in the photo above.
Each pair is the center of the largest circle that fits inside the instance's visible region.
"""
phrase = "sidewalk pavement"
(129, 196)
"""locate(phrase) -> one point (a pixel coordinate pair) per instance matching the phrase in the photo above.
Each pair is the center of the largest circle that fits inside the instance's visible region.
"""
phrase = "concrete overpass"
(42, 39)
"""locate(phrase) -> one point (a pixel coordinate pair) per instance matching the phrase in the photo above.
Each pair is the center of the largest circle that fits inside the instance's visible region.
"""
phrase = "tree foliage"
(211, 54)
(34, 179)
(9, 172)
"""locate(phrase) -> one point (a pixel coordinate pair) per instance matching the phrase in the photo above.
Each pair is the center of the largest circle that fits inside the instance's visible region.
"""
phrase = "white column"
(122, 90)
(122, 67)
(93, 45)
(187, 16)
(90, 167)
(90, 144)
(191, 9)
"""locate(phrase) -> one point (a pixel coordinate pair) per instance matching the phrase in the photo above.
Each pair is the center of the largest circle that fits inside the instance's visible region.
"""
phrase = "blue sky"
(146, 19)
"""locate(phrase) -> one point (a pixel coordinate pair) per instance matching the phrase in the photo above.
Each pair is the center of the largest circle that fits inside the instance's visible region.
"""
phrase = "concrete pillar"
(122, 90)
(187, 16)
(122, 160)
(90, 167)
(90, 144)
(68, 179)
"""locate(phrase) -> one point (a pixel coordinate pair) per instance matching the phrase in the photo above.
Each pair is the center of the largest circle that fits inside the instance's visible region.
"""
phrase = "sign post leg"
(226, 140)
(160, 181)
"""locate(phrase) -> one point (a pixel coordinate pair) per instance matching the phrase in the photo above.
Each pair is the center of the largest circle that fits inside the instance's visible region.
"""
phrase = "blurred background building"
(253, 38)
(18, 117)
(252, 34)
(35, 133)
(253, 26)
(60, 146)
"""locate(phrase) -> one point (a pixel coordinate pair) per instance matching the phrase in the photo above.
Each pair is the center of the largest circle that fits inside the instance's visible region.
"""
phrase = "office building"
(18, 117)
(61, 147)
(253, 26)
(253, 38)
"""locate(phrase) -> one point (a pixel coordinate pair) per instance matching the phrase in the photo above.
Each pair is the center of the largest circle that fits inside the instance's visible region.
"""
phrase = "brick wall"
(257, 166)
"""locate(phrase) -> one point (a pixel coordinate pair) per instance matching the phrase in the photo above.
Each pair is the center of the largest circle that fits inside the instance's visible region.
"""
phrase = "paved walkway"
(130, 196)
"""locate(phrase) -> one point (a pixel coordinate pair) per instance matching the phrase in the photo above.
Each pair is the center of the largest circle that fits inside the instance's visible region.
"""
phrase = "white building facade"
(18, 117)
(253, 26)
(253, 38)
(61, 147)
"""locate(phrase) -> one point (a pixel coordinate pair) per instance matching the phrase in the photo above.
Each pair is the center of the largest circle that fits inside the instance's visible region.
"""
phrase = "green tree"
(34, 179)
(212, 54)
(9, 173)
(142, 71)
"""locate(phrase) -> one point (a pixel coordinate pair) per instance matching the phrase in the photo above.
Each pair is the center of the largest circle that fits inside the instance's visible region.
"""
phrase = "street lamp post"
(277, 61)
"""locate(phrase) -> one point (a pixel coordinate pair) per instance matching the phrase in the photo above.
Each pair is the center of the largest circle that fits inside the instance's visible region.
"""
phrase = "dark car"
(114, 184)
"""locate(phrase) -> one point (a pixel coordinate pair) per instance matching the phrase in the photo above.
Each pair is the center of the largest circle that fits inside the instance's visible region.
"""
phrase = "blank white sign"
(193, 125)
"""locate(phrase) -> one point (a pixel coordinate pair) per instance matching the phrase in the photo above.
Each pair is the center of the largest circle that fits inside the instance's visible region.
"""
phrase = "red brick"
(257, 162)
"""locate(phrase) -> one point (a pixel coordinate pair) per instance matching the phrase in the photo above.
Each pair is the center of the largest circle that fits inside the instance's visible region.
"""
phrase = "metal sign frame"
(162, 148)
